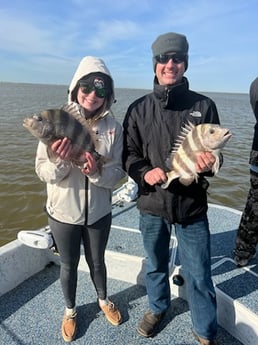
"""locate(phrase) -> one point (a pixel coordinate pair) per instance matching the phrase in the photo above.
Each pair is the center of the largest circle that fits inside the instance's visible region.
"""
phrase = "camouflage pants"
(247, 234)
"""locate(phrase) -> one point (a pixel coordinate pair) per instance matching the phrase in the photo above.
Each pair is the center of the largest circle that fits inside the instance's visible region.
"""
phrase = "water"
(22, 194)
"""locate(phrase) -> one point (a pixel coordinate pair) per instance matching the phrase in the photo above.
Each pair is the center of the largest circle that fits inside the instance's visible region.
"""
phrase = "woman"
(79, 198)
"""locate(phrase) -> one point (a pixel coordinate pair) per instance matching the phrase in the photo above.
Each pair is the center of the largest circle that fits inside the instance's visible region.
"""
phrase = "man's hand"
(154, 176)
(205, 161)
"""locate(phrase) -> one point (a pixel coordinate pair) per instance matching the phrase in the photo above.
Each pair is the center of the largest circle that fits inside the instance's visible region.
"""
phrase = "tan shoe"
(112, 313)
(69, 327)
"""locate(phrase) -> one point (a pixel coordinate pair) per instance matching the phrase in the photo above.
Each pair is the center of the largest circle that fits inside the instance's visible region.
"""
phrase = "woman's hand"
(90, 167)
(62, 148)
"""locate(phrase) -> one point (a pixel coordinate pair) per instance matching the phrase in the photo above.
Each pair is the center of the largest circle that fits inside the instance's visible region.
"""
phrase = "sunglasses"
(88, 88)
(164, 58)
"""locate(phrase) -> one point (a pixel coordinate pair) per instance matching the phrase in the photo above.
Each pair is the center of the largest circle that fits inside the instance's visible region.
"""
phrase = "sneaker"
(203, 341)
(69, 327)
(149, 324)
(112, 313)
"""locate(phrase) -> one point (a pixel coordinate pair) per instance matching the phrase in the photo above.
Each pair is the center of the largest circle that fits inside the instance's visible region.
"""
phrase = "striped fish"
(191, 141)
(53, 124)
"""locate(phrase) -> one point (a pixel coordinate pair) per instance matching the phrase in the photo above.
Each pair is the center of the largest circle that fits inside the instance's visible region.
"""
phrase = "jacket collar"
(170, 94)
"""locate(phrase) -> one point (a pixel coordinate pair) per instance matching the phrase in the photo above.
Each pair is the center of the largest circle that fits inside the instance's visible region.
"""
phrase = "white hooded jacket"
(71, 196)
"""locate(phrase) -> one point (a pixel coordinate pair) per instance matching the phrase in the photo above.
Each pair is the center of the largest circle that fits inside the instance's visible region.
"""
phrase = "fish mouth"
(26, 122)
(228, 135)
(225, 139)
(32, 121)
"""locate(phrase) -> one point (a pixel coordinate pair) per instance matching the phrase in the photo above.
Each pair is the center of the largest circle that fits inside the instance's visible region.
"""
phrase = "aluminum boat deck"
(31, 312)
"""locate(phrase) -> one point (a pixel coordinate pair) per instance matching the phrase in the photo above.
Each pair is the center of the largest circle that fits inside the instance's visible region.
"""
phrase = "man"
(151, 126)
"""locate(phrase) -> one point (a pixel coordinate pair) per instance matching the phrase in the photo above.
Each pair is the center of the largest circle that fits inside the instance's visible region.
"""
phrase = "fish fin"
(185, 130)
(215, 167)
(74, 110)
(100, 162)
(186, 181)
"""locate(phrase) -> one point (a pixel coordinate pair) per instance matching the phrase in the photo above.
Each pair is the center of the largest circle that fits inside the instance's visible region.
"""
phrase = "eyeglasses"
(176, 58)
(88, 88)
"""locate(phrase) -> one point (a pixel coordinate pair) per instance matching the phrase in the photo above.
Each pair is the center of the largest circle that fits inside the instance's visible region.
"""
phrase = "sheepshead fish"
(52, 124)
(191, 141)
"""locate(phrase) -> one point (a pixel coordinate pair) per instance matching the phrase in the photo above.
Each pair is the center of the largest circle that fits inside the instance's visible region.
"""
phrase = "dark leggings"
(247, 233)
(68, 239)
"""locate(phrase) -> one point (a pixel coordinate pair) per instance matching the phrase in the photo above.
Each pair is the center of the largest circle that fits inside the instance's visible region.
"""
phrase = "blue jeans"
(194, 253)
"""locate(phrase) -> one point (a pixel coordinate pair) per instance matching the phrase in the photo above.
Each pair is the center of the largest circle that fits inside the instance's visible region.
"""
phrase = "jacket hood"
(254, 96)
(90, 64)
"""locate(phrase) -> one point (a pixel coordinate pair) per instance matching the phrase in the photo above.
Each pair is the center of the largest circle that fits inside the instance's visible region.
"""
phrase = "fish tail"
(171, 175)
(101, 160)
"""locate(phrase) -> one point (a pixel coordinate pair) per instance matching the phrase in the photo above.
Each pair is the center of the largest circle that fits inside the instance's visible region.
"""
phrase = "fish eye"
(212, 131)
(37, 117)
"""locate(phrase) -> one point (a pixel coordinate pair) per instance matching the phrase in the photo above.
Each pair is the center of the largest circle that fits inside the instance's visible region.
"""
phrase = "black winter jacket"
(254, 103)
(151, 126)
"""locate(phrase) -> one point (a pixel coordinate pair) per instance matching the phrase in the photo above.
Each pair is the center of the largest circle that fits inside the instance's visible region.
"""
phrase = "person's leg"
(247, 233)
(156, 237)
(95, 238)
(68, 241)
(194, 253)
